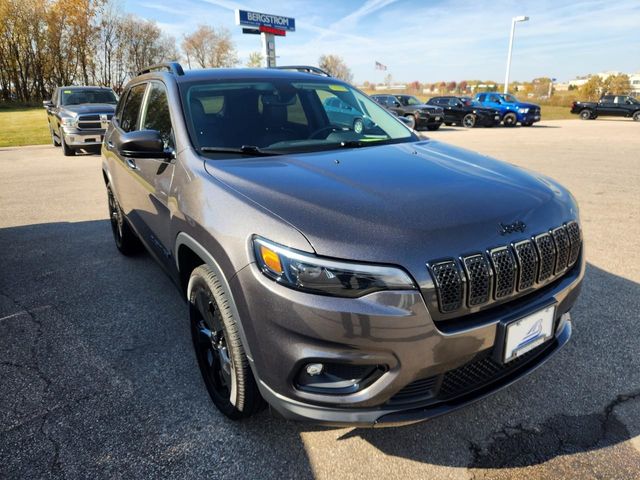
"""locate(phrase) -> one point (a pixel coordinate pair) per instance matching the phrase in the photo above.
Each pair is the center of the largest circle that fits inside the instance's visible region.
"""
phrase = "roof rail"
(305, 69)
(172, 67)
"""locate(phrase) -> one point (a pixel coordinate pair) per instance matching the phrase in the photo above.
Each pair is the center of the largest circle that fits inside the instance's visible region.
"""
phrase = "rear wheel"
(66, 149)
(510, 120)
(469, 120)
(411, 121)
(219, 350)
(585, 114)
(124, 236)
(636, 116)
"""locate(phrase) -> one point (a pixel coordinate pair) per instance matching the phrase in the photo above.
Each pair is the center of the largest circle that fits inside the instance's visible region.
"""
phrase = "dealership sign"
(257, 20)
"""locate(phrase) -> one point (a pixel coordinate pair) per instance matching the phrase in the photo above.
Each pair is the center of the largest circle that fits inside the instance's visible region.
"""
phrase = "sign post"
(268, 26)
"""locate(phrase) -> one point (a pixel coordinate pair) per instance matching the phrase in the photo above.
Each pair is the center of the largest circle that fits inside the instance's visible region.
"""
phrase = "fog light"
(314, 369)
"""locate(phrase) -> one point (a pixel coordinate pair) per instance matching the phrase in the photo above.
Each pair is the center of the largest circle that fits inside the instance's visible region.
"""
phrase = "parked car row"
(486, 110)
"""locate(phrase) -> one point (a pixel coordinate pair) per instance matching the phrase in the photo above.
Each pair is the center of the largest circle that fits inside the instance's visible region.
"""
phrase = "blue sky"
(431, 40)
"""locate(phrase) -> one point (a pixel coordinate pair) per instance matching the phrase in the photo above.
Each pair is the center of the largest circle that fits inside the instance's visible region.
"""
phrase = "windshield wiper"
(244, 149)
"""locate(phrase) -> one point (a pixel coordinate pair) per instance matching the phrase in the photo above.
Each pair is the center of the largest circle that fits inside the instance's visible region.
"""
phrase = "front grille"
(575, 239)
(415, 391)
(91, 122)
(449, 284)
(527, 264)
(482, 370)
(504, 265)
(506, 270)
(547, 254)
(563, 247)
(479, 277)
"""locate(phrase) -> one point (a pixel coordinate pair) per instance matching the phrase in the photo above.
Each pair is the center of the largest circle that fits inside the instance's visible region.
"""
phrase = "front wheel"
(469, 120)
(636, 116)
(411, 121)
(219, 350)
(585, 114)
(66, 149)
(510, 120)
(124, 236)
(56, 143)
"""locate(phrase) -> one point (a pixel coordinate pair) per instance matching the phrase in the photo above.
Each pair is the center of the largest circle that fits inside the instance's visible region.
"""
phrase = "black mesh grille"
(527, 263)
(91, 122)
(573, 231)
(446, 276)
(504, 266)
(547, 253)
(563, 248)
(483, 371)
(506, 270)
(479, 276)
(415, 391)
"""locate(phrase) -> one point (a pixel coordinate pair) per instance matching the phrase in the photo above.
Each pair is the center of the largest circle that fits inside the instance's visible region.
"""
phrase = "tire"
(586, 114)
(412, 121)
(469, 120)
(221, 357)
(66, 149)
(433, 128)
(510, 120)
(56, 143)
(126, 239)
(636, 116)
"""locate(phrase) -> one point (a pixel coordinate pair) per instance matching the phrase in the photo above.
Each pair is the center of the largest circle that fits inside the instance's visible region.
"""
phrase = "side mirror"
(47, 104)
(143, 144)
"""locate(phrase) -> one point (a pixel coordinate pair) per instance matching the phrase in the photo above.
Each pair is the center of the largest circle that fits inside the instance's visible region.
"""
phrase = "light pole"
(514, 20)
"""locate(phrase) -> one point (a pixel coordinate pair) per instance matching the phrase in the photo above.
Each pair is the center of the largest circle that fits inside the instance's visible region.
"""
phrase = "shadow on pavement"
(99, 379)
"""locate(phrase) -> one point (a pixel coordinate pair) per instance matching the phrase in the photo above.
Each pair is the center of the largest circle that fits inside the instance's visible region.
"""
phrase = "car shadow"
(585, 399)
(98, 374)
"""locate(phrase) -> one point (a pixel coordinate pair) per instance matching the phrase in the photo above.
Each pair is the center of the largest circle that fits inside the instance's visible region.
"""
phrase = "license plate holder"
(526, 333)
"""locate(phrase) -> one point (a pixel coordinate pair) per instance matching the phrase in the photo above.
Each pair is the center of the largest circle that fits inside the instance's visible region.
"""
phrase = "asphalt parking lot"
(98, 378)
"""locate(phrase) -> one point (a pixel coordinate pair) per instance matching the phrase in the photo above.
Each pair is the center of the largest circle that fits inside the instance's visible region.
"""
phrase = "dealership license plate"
(437, 118)
(537, 117)
(527, 333)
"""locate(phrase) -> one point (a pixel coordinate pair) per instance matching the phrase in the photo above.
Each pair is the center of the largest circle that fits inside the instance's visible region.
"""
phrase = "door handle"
(131, 163)
(109, 144)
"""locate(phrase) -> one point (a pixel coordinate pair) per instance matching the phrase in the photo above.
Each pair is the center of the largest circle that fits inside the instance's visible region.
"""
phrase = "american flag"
(380, 66)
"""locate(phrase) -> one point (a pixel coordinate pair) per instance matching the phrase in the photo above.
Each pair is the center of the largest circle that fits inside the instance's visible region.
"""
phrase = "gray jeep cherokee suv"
(345, 272)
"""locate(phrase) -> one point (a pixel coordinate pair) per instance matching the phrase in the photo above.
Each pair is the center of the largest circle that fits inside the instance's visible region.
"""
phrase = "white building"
(634, 79)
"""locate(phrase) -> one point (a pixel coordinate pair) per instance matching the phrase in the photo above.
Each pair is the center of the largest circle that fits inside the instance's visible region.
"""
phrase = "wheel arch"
(190, 253)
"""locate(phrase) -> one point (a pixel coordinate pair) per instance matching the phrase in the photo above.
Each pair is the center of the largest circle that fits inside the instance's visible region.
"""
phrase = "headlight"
(523, 110)
(308, 273)
(69, 121)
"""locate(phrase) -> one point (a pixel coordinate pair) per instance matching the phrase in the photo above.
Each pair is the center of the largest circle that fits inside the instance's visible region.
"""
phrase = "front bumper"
(429, 120)
(529, 117)
(77, 138)
(286, 330)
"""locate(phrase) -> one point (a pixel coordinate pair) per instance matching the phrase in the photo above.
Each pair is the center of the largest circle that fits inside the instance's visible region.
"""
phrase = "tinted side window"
(156, 116)
(131, 109)
(482, 98)
(608, 98)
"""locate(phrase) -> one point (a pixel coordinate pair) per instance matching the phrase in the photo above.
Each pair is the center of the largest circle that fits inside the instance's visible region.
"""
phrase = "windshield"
(285, 115)
(410, 100)
(76, 96)
(509, 98)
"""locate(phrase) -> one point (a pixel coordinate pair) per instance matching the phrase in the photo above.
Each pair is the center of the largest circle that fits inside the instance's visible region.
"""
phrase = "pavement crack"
(517, 446)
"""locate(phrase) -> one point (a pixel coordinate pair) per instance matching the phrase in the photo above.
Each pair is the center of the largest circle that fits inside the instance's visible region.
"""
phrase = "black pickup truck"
(79, 116)
(609, 105)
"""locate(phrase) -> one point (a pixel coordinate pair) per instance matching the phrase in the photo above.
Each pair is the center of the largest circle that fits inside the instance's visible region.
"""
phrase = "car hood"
(90, 108)
(404, 203)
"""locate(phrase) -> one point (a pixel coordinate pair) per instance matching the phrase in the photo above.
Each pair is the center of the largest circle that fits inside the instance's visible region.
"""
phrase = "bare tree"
(336, 67)
(209, 47)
